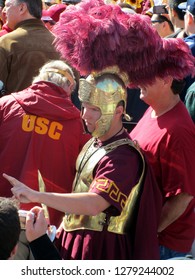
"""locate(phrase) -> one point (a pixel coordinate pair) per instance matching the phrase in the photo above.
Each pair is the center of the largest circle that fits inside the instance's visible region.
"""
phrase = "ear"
(168, 80)
(23, 8)
(13, 252)
(164, 24)
(190, 19)
(173, 12)
(119, 110)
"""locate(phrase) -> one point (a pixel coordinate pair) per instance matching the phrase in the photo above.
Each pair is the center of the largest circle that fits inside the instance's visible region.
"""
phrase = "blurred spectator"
(160, 19)
(9, 228)
(5, 28)
(2, 4)
(177, 18)
(189, 23)
(52, 15)
(10, 225)
(140, 6)
(162, 24)
(54, 11)
(24, 50)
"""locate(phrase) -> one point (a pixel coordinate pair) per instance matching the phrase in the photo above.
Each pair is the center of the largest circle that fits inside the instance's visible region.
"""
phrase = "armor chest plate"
(86, 162)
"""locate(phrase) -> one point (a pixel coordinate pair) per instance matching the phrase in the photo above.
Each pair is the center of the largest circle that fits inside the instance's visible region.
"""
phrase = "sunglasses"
(160, 21)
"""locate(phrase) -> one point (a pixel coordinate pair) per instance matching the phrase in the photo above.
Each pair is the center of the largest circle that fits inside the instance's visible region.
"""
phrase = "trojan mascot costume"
(113, 50)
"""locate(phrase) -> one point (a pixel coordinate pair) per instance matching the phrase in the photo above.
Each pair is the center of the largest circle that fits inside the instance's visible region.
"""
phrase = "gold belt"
(74, 222)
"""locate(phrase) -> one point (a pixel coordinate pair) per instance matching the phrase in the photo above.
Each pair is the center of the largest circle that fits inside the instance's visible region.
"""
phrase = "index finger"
(13, 181)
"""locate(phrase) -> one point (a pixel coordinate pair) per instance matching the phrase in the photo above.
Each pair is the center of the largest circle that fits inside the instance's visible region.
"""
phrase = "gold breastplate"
(87, 160)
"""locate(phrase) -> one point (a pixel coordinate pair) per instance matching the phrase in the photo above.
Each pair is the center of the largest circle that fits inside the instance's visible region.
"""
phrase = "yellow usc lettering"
(53, 130)
(42, 126)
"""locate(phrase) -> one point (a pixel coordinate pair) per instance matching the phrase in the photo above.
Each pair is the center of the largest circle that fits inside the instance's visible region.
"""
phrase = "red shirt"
(169, 144)
(5, 29)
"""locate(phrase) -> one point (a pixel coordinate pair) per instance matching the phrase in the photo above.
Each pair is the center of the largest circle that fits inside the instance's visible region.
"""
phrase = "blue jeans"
(166, 253)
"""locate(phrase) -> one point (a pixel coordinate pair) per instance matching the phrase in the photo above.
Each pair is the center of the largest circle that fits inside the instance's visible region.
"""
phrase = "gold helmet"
(104, 90)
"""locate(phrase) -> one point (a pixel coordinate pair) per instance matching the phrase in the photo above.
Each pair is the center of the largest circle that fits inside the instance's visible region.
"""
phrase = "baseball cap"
(54, 11)
(188, 6)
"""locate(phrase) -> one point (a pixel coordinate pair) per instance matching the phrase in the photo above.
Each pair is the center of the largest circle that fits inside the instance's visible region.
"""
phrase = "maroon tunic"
(114, 176)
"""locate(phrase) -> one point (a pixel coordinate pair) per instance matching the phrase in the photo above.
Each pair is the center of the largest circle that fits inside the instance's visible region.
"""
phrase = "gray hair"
(34, 7)
(59, 73)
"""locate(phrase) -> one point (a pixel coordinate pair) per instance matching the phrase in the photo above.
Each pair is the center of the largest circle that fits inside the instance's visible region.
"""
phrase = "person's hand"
(20, 191)
(36, 223)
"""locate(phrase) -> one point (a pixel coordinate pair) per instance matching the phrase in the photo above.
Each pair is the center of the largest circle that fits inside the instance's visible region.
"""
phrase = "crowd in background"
(43, 140)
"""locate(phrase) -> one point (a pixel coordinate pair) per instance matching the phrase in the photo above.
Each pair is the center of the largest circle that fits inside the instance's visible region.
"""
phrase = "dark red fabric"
(5, 29)
(169, 144)
(146, 240)
(54, 11)
(41, 129)
(121, 169)
(93, 245)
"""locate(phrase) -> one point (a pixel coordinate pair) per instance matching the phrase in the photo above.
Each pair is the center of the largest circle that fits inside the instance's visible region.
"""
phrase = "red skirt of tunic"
(93, 245)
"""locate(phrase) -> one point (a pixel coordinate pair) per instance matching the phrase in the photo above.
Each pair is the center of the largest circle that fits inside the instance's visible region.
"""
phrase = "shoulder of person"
(8, 38)
(191, 89)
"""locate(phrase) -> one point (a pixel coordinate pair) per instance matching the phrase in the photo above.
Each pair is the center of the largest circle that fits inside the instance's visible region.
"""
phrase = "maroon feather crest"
(93, 35)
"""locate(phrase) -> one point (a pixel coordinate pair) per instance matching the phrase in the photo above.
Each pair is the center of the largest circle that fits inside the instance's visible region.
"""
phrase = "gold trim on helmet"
(104, 90)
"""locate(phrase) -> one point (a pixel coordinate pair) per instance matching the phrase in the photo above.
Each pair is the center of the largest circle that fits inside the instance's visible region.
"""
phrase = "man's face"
(91, 114)
(11, 10)
(157, 24)
(150, 94)
(161, 24)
